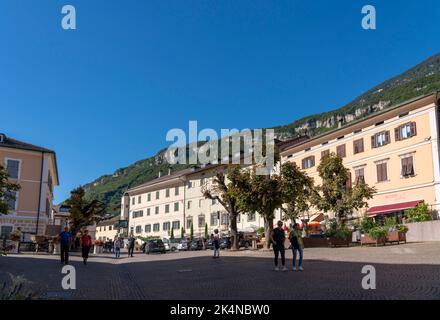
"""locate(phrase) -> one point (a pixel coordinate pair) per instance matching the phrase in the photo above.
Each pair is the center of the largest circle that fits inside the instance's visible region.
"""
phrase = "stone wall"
(423, 231)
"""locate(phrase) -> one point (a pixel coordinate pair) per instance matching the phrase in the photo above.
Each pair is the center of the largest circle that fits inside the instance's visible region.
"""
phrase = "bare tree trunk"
(268, 227)
(234, 232)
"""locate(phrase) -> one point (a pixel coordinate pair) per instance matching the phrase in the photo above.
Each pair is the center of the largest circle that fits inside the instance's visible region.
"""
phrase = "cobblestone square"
(410, 271)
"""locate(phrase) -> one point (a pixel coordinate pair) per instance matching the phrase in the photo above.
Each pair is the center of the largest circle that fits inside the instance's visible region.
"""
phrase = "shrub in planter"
(377, 233)
(402, 228)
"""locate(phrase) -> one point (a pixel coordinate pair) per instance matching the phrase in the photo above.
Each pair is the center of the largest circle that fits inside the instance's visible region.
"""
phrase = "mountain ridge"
(419, 80)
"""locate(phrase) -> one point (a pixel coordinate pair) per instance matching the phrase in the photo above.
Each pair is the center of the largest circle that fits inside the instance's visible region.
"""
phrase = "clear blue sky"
(104, 95)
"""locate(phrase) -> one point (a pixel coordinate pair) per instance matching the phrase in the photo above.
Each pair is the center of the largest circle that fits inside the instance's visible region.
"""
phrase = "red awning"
(392, 207)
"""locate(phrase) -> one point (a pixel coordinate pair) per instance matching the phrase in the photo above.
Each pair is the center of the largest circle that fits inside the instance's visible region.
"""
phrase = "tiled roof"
(7, 142)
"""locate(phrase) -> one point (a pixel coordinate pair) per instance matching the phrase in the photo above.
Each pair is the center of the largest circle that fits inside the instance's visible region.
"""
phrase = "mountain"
(422, 79)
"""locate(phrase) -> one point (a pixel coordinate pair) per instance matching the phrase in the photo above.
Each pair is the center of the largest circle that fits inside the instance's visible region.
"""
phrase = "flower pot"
(395, 236)
(366, 239)
(336, 241)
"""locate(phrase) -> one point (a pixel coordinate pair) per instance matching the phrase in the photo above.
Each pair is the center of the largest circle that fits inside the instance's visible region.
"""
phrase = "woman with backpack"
(86, 243)
(297, 246)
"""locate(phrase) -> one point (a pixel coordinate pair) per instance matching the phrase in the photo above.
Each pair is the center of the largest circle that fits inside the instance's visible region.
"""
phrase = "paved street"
(410, 271)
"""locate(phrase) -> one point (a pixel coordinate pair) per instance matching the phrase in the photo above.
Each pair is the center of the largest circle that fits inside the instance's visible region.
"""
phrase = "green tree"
(224, 188)
(418, 214)
(335, 194)
(172, 233)
(297, 190)
(7, 190)
(191, 232)
(262, 194)
(182, 233)
(206, 232)
(83, 213)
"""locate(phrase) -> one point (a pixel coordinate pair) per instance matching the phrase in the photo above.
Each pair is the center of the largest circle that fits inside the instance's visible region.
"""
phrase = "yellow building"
(396, 151)
(107, 229)
(35, 170)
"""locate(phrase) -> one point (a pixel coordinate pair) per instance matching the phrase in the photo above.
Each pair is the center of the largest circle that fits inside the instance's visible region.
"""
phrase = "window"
(149, 197)
(5, 231)
(13, 168)
(407, 166)
(110, 228)
(308, 162)
(239, 218)
(157, 195)
(156, 227)
(214, 218)
(105, 228)
(189, 205)
(138, 229)
(340, 151)
(201, 220)
(176, 224)
(251, 216)
(133, 201)
(148, 228)
(190, 185)
(167, 193)
(176, 206)
(380, 139)
(359, 175)
(358, 146)
(202, 181)
(50, 183)
(166, 226)
(47, 207)
(138, 214)
(156, 210)
(139, 199)
(189, 222)
(225, 219)
(214, 201)
(176, 191)
(167, 208)
(382, 174)
(405, 131)
(325, 153)
(148, 211)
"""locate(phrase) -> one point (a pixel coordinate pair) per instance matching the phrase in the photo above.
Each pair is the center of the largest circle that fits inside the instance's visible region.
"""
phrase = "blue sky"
(105, 95)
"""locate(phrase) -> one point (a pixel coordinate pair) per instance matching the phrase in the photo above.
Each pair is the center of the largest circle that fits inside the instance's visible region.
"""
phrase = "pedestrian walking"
(295, 238)
(277, 238)
(117, 247)
(216, 242)
(86, 244)
(131, 243)
(65, 239)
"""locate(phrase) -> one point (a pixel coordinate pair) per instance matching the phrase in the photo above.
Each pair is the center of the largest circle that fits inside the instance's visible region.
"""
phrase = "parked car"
(171, 244)
(226, 243)
(197, 244)
(210, 244)
(155, 245)
(184, 245)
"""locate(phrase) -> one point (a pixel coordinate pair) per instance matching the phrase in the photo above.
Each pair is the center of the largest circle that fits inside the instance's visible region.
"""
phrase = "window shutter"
(384, 171)
(303, 164)
(413, 127)
(387, 137)
(379, 173)
(397, 133)
(313, 160)
(373, 141)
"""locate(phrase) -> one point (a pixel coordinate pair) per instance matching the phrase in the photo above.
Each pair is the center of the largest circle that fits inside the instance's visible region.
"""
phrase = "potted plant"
(397, 234)
(338, 235)
(376, 235)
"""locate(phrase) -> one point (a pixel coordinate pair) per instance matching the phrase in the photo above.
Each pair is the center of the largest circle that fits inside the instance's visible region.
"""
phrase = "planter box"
(366, 239)
(315, 242)
(396, 236)
(335, 242)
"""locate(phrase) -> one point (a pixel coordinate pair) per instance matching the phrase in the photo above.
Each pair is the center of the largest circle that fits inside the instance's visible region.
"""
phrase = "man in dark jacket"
(277, 238)
(131, 243)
